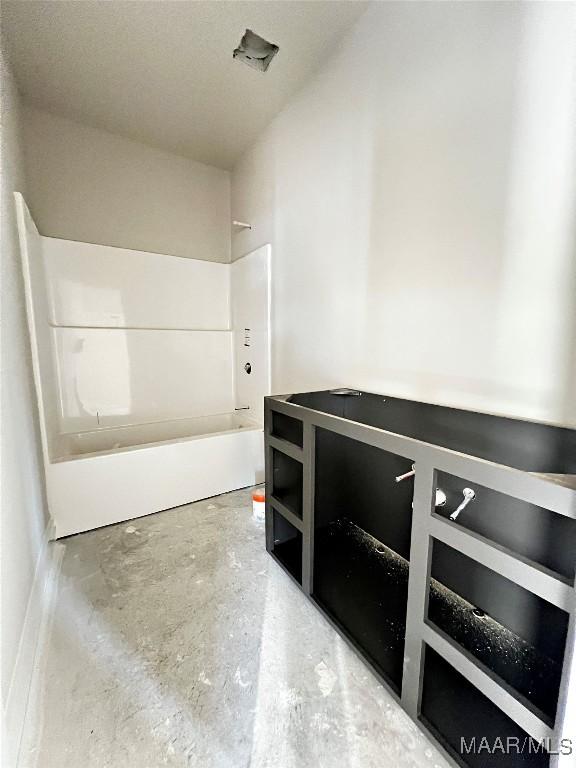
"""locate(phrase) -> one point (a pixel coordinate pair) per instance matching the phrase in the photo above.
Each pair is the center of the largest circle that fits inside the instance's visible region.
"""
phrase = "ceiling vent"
(255, 51)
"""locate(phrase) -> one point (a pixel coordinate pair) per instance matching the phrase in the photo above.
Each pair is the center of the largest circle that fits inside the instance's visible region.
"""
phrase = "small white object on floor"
(258, 505)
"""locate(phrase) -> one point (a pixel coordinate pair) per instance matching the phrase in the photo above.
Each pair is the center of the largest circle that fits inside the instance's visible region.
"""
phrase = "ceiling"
(162, 72)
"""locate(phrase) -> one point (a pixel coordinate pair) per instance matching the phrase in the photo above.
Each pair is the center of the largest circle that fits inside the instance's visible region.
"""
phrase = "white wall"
(23, 503)
(93, 186)
(419, 198)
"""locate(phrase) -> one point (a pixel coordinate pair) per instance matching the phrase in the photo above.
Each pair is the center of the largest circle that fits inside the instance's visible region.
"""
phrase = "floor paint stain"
(238, 679)
(320, 722)
(234, 562)
(326, 678)
(203, 679)
(288, 697)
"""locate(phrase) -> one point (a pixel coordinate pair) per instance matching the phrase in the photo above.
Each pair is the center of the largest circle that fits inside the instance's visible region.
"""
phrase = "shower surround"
(141, 370)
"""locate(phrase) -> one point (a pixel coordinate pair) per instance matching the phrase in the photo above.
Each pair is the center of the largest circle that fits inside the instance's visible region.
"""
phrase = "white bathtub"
(118, 473)
(124, 438)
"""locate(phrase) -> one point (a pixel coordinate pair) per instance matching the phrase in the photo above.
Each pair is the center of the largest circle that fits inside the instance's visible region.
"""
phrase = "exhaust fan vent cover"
(255, 51)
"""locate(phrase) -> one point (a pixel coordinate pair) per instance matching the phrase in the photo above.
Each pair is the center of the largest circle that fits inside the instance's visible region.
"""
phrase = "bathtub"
(112, 474)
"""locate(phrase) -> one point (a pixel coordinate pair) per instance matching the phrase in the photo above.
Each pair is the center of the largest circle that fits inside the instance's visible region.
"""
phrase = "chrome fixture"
(240, 225)
(469, 495)
(440, 498)
(406, 475)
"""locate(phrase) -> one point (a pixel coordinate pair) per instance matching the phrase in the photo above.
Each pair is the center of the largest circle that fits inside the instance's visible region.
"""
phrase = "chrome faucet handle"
(440, 499)
(406, 475)
(469, 495)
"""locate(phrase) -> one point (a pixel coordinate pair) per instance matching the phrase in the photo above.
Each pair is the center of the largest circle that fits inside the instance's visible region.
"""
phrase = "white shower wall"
(132, 337)
(250, 278)
(43, 361)
(115, 377)
(96, 285)
(137, 336)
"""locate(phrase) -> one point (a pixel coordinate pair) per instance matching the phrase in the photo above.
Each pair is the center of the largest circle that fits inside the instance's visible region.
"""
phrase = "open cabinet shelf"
(463, 719)
(363, 586)
(287, 548)
(287, 483)
(518, 636)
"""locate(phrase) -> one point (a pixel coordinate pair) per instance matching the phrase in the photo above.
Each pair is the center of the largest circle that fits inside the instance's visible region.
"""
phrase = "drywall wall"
(419, 197)
(92, 186)
(23, 523)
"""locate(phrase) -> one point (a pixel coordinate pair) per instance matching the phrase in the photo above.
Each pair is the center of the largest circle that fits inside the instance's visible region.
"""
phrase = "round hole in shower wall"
(248, 368)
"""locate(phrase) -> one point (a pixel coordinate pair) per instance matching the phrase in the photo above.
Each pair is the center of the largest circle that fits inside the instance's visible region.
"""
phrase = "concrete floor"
(177, 641)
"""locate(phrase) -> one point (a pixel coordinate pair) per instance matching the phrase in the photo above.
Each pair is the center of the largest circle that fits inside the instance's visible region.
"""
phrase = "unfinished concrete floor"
(176, 640)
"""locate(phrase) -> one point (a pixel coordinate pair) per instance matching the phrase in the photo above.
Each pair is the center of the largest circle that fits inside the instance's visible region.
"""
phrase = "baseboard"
(37, 618)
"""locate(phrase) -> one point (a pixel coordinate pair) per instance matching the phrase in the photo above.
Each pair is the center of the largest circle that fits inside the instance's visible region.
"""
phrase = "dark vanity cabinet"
(441, 544)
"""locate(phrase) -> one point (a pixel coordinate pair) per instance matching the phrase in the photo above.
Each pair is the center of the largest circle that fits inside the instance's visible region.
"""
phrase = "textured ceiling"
(162, 72)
